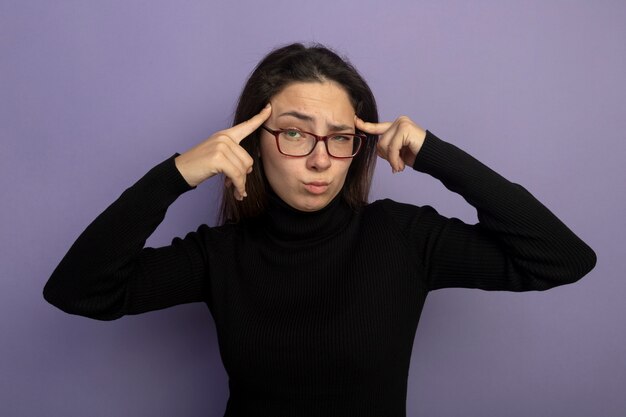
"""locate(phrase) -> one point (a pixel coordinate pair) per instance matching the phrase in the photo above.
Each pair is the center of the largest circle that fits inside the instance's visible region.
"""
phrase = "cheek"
(343, 174)
(345, 168)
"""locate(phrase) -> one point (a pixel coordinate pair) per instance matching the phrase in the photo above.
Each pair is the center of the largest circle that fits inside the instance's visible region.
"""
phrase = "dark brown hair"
(283, 66)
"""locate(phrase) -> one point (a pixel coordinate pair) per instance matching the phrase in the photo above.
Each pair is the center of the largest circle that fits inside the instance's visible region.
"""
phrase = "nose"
(319, 160)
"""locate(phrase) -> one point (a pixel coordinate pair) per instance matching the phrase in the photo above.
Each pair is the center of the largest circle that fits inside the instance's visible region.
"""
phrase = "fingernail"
(268, 105)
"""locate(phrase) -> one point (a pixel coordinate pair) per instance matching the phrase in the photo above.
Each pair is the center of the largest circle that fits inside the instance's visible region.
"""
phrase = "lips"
(316, 187)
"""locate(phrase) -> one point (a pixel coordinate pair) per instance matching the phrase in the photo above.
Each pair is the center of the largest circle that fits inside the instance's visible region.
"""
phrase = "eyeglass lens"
(296, 143)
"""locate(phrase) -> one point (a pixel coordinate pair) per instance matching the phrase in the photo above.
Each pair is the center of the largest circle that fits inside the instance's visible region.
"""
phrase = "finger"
(371, 128)
(244, 156)
(229, 183)
(236, 170)
(237, 179)
(233, 156)
(393, 152)
(239, 132)
(383, 146)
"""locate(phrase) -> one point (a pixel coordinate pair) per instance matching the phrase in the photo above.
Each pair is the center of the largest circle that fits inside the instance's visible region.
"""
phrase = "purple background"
(94, 93)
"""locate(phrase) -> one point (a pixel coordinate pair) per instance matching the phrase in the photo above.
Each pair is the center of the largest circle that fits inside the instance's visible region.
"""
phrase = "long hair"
(283, 66)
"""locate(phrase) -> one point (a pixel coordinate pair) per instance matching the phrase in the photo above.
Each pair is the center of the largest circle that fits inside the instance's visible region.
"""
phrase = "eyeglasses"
(295, 142)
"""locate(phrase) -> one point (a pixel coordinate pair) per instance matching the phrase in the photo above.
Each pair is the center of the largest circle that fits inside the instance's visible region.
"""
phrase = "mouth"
(316, 187)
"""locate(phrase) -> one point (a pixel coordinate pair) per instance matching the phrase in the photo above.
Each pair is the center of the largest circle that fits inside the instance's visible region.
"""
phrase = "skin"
(305, 183)
(399, 141)
(308, 183)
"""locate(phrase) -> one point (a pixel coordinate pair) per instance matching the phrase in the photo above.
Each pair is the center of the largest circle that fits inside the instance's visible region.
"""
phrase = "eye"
(292, 134)
(341, 138)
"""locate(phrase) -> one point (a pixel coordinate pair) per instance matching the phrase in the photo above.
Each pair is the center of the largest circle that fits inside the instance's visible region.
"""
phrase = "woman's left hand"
(399, 141)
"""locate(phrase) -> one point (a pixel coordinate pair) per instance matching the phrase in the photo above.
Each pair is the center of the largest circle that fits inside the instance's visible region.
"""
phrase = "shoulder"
(402, 217)
(210, 237)
(395, 210)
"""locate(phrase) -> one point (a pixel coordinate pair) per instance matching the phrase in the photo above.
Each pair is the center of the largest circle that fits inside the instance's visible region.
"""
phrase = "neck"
(289, 224)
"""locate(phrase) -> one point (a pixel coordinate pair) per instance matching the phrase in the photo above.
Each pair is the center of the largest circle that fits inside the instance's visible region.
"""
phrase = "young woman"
(315, 293)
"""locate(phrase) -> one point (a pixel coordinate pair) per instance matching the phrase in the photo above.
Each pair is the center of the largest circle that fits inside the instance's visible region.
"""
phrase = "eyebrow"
(307, 118)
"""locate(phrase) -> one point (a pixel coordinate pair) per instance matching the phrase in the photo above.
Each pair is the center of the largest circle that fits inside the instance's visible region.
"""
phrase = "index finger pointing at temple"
(372, 128)
(242, 130)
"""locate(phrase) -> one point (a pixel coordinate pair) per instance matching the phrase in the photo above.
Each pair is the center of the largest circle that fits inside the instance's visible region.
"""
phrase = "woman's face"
(307, 183)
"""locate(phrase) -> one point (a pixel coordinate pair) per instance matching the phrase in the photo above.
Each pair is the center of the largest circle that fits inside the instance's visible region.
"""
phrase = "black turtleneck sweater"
(316, 312)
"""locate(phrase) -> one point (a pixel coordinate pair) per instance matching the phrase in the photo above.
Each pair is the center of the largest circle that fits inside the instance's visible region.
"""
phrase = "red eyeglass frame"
(318, 138)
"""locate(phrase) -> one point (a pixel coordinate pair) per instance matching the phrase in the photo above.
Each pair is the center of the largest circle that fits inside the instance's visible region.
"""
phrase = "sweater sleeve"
(517, 245)
(108, 273)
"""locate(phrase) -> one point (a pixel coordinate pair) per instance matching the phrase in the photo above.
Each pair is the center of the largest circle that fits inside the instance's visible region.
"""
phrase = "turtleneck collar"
(289, 224)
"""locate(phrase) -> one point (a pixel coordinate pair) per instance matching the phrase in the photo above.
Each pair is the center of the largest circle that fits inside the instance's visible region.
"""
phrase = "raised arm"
(517, 245)
(108, 273)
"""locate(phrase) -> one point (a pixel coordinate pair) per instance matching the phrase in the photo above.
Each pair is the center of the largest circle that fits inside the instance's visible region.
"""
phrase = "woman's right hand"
(221, 153)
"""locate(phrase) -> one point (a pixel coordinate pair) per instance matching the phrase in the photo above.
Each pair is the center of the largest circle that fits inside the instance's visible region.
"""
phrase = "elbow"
(563, 267)
(587, 260)
(577, 264)
(71, 302)
(55, 297)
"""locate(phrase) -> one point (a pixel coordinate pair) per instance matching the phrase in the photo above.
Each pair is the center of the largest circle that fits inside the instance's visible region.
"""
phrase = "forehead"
(322, 99)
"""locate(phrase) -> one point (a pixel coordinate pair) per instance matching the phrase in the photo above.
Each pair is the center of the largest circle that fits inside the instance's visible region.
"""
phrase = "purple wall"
(93, 93)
